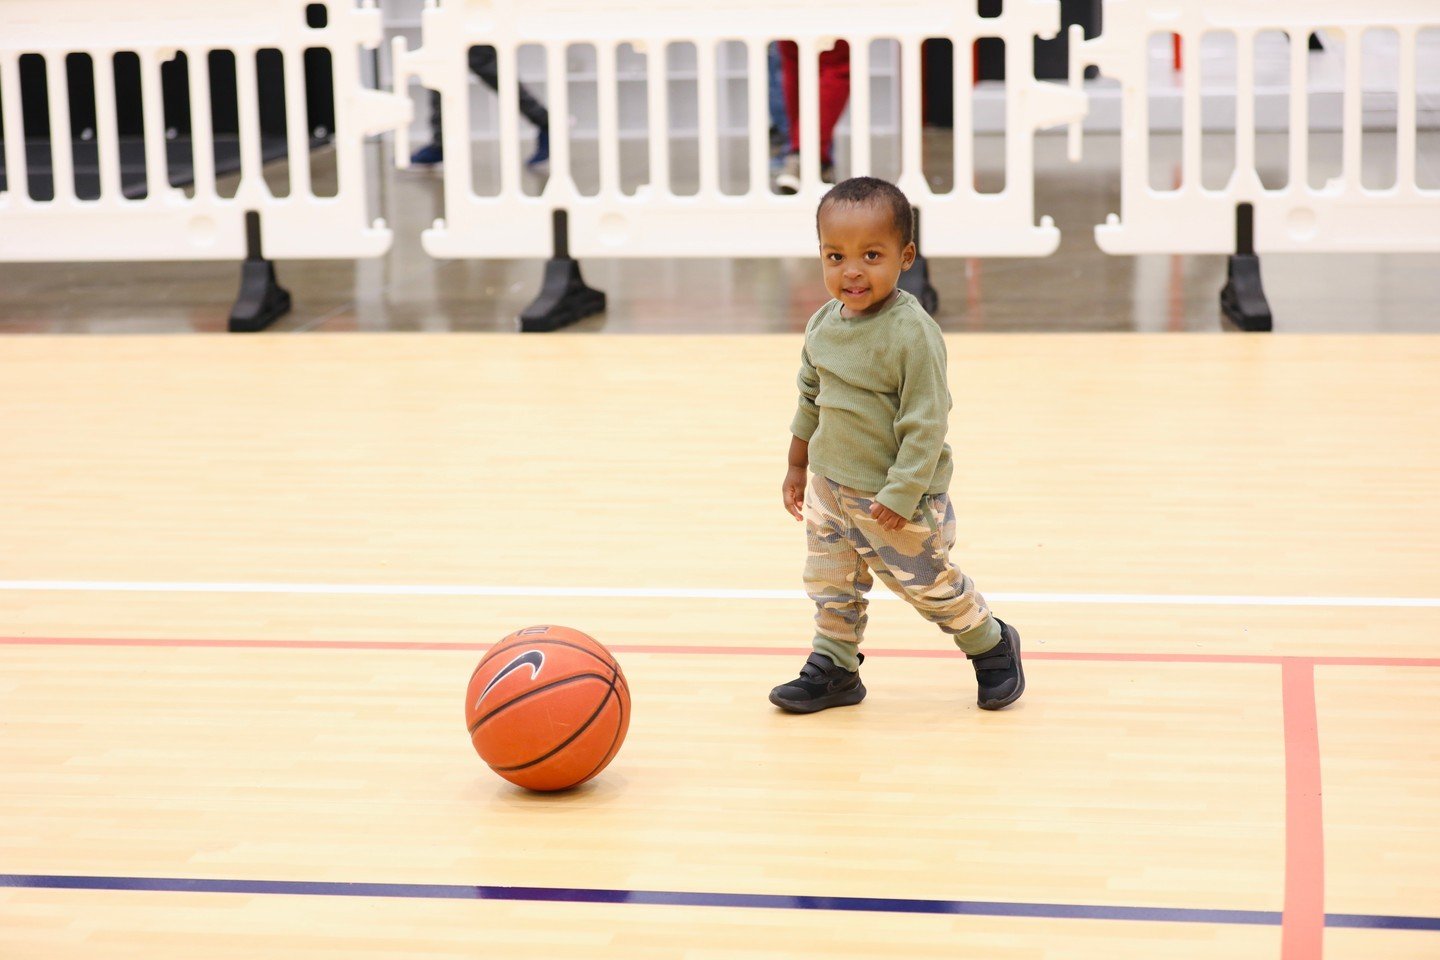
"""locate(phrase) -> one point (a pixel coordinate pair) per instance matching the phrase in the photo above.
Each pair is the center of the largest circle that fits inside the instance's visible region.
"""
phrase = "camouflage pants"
(847, 549)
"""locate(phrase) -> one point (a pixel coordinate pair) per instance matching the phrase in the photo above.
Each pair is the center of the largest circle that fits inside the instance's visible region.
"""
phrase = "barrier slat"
(17, 171)
(658, 109)
(757, 114)
(202, 137)
(509, 91)
(247, 88)
(62, 161)
(1299, 114)
(605, 54)
(708, 144)
(157, 164)
(1245, 172)
(860, 162)
(1354, 102)
(1191, 117)
(809, 74)
(1405, 121)
(297, 126)
(107, 136)
(562, 176)
(963, 100)
(912, 176)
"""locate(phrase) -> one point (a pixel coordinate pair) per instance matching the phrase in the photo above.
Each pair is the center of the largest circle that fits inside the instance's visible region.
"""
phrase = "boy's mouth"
(855, 291)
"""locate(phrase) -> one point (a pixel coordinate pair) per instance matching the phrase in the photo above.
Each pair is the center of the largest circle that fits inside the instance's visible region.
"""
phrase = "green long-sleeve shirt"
(874, 404)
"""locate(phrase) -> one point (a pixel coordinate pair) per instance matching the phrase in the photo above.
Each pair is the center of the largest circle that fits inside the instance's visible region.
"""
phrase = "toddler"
(870, 429)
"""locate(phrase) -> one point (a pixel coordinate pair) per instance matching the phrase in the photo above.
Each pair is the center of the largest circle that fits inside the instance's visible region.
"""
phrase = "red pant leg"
(834, 92)
(790, 73)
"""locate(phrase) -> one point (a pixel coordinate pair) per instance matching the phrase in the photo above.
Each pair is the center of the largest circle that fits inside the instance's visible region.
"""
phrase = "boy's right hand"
(792, 491)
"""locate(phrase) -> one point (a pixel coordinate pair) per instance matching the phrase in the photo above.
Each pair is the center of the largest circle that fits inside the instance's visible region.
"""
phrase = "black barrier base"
(1243, 298)
(916, 280)
(564, 296)
(262, 300)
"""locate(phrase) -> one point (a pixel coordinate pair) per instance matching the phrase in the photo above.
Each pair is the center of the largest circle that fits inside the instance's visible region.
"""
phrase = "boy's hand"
(792, 492)
(887, 518)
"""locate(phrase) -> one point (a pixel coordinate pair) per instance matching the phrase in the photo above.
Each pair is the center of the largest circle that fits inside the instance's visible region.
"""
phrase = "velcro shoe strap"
(992, 660)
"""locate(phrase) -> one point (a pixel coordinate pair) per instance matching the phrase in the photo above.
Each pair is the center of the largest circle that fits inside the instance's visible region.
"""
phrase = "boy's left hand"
(887, 518)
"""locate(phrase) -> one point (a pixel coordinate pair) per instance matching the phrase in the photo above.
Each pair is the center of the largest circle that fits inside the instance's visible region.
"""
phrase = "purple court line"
(675, 898)
(760, 901)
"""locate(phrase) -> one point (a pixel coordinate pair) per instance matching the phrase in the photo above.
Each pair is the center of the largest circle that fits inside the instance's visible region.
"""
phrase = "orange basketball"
(547, 707)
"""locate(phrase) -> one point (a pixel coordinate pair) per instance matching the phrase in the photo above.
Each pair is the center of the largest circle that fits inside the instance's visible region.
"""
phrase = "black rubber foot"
(1242, 301)
(564, 298)
(916, 281)
(262, 301)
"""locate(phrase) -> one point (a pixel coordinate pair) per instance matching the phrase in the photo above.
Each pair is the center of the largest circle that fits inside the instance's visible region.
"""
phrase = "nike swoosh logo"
(534, 659)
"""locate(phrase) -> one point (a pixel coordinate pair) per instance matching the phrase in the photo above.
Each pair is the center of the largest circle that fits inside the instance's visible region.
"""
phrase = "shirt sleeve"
(807, 415)
(920, 423)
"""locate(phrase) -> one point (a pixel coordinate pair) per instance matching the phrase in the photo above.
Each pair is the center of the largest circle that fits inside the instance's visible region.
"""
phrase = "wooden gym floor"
(243, 583)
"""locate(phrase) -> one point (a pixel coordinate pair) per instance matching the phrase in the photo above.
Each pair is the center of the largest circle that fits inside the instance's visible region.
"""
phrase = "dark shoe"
(998, 670)
(427, 156)
(541, 156)
(821, 684)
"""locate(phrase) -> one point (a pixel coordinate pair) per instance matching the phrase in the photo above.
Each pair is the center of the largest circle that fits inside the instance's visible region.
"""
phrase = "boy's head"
(867, 239)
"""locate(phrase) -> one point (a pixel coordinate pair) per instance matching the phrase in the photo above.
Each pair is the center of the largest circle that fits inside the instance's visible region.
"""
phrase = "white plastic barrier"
(165, 224)
(655, 222)
(1341, 216)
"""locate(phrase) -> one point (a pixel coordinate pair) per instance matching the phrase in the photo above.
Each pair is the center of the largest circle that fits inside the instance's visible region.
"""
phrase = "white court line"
(682, 593)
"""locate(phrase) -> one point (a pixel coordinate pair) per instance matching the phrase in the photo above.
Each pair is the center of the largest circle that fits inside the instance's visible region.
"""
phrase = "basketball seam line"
(568, 740)
(619, 725)
(536, 692)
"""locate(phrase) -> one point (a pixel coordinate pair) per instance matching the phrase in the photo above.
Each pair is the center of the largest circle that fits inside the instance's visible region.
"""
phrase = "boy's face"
(862, 254)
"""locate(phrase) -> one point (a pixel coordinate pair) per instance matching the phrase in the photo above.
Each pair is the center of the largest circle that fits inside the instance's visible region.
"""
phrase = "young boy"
(870, 427)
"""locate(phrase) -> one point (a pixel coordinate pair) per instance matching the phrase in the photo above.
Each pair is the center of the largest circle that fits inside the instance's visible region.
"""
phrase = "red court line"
(1302, 926)
(938, 652)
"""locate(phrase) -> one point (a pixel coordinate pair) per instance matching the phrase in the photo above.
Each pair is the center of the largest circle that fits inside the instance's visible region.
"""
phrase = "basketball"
(547, 708)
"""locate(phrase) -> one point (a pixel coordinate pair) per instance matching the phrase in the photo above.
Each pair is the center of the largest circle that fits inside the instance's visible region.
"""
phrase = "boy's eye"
(872, 255)
(833, 257)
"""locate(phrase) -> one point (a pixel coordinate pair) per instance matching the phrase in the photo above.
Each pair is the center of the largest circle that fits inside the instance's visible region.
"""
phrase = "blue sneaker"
(427, 156)
(541, 156)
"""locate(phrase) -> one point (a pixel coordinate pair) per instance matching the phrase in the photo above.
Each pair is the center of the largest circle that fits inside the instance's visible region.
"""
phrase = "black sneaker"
(998, 670)
(821, 684)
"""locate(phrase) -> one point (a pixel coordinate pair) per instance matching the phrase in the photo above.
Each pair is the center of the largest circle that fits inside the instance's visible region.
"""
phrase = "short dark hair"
(859, 190)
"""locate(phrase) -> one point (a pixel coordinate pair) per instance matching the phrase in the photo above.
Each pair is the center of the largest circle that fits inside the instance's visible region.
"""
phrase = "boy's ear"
(907, 257)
